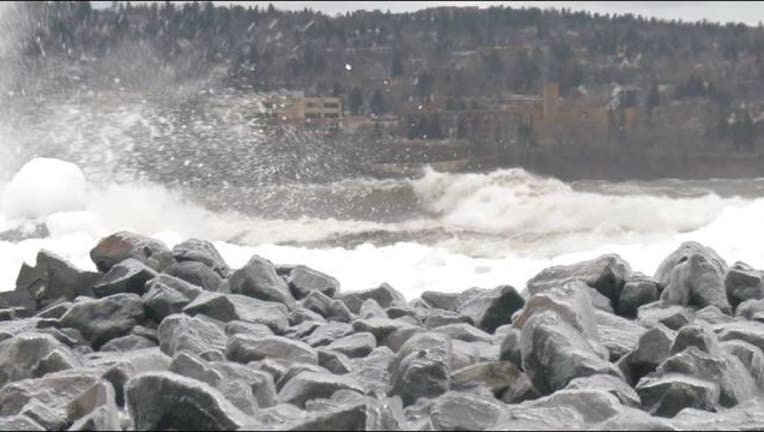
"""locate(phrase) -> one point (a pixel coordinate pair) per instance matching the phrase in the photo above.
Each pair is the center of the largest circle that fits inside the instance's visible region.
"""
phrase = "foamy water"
(473, 230)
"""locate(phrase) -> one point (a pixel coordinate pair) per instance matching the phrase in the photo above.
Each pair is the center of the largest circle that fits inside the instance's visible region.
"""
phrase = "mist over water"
(181, 156)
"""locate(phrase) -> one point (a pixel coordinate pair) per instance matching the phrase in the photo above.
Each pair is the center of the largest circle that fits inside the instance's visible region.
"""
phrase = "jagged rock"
(465, 332)
(503, 379)
(192, 366)
(600, 302)
(341, 418)
(328, 333)
(258, 279)
(180, 332)
(606, 274)
(46, 417)
(127, 343)
(56, 361)
(712, 315)
(617, 334)
(666, 395)
(333, 310)
(751, 332)
(163, 400)
(463, 411)
(198, 274)
(204, 252)
(371, 309)
(373, 370)
(554, 353)
(122, 245)
(494, 308)
(354, 345)
(523, 417)
(636, 291)
(571, 302)
(303, 330)
(421, 368)
(167, 295)
(102, 418)
(672, 316)
(302, 280)
(300, 314)
(54, 311)
(698, 335)
(119, 367)
(437, 318)
(297, 368)
(335, 362)
(402, 312)
(446, 301)
(653, 347)
(384, 295)
(593, 406)
(463, 354)
(100, 395)
(9, 329)
(630, 419)
(735, 383)
(100, 320)
(55, 391)
(257, 383)
(309, 385)
(750, 356)
(383, 329)
(746, 416)
(20, 355)
(235, 307)
(749, 309)
(742, 282)
(248, 328)
(694, 275)
(609, 383)
(509, 349)
(128, 276)
(51, 279)
(244, 349)
(19, 423)
(19, 298)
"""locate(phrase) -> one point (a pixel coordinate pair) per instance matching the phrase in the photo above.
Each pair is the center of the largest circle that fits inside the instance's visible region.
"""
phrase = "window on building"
(331, 105)
(312, 115)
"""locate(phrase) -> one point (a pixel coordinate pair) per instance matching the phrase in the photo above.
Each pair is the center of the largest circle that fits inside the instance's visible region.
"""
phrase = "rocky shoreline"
(174, 339)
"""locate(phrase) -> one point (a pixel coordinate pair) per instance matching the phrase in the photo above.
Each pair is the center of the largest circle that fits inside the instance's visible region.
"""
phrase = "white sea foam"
(500, 227)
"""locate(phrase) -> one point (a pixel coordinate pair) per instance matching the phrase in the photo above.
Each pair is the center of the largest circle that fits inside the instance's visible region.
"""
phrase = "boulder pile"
(175, 339)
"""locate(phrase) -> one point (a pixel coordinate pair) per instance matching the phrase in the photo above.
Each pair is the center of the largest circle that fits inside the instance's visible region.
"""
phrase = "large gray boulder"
(554, 353)
(328, 333)
(662, 312)
(167, 295)
(493, 308)
(464, 411)
(122, 245)
(180, 332)
(198, 274)
(606, 274)
(236, 307)
(95, 409)
(119, 367)
(100, 320)
(505, 380)
(163, 400)
(244, 349)
(258, 279)
(302, 280)
(50, 280)
(653, 347)
(20, 355)
(354, 345)
(421, 368)
(746, 416)
(128, 276)
(609, 383)
(667, 394)
(618, 335)
(384, 295)
(742, 282)
(204, 252)
(694, 275)
(592, 405)
(309, 385)
(637, 290)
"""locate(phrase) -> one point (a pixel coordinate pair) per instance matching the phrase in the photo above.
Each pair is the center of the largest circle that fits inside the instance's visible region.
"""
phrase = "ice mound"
(44, 186)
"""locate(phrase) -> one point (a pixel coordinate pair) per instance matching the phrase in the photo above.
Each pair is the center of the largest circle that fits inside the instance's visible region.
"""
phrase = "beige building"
(291, 108)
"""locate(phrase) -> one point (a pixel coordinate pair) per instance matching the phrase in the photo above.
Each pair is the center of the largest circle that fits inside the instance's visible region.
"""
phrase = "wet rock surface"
(174, 339)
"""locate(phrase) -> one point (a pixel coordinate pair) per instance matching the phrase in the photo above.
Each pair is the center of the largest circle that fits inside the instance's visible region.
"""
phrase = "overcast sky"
(747, 12)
